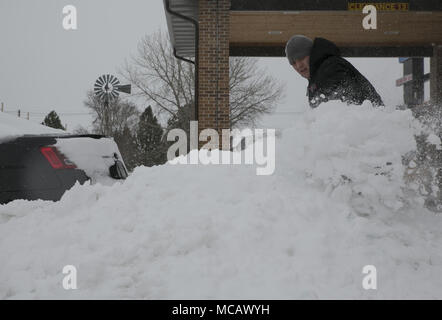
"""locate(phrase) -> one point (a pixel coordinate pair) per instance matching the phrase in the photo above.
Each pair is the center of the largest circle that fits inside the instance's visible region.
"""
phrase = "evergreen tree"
(152, 150)
(126, 142)
(53, 120)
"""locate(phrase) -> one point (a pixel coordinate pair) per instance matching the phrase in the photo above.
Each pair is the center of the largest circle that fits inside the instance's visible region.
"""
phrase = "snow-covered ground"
(336, 202)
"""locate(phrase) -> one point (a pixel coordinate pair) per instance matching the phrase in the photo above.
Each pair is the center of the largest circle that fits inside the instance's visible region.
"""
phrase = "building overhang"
(262, 27)
(181, 31)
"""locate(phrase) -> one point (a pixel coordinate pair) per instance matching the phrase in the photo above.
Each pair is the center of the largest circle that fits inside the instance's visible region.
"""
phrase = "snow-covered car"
(46, 164)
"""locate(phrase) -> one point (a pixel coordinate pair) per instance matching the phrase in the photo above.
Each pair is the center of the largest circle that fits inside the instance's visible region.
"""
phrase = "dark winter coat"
(332, 77)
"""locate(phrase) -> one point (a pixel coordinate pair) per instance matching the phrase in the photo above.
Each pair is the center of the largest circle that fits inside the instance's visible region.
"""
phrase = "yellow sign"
(384, 6)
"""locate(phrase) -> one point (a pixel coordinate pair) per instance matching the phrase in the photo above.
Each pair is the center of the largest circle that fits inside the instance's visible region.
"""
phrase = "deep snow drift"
(332, 206)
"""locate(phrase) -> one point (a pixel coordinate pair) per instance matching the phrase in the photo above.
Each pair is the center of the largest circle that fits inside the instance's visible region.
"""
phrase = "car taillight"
(56, 159)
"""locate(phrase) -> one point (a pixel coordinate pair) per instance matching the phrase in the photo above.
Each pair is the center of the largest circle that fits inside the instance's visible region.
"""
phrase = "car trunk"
(94, 154)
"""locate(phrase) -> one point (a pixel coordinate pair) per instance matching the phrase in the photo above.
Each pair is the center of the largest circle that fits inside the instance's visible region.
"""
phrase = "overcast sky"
(44, 67)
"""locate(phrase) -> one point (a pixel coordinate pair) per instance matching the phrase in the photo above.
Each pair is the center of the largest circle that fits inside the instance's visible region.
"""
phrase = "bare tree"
(81, 130)
(252, 92)
(112, 119)
(119, 120)
(168, 83)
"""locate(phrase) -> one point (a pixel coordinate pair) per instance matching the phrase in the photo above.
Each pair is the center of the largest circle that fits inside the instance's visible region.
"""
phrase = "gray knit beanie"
(298, 47)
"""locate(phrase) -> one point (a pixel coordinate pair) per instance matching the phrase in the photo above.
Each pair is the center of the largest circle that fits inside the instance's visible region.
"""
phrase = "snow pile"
(353, 154)
(12, 126)
(332, 206)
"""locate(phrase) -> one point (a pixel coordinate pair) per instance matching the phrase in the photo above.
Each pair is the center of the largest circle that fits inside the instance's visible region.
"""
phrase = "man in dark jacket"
(330, 76)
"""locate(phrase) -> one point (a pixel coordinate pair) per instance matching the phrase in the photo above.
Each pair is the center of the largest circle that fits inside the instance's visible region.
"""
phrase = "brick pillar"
(213, 77)
(436, 75)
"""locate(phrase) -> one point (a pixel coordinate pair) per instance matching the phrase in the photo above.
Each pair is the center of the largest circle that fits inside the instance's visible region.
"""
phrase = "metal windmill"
(107, 88)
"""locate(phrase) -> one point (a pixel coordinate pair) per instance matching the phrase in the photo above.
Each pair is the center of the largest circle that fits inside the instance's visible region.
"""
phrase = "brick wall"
(213, 103)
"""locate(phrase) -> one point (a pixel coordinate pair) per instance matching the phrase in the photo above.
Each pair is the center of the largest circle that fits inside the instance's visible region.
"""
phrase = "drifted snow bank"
(332, 206)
